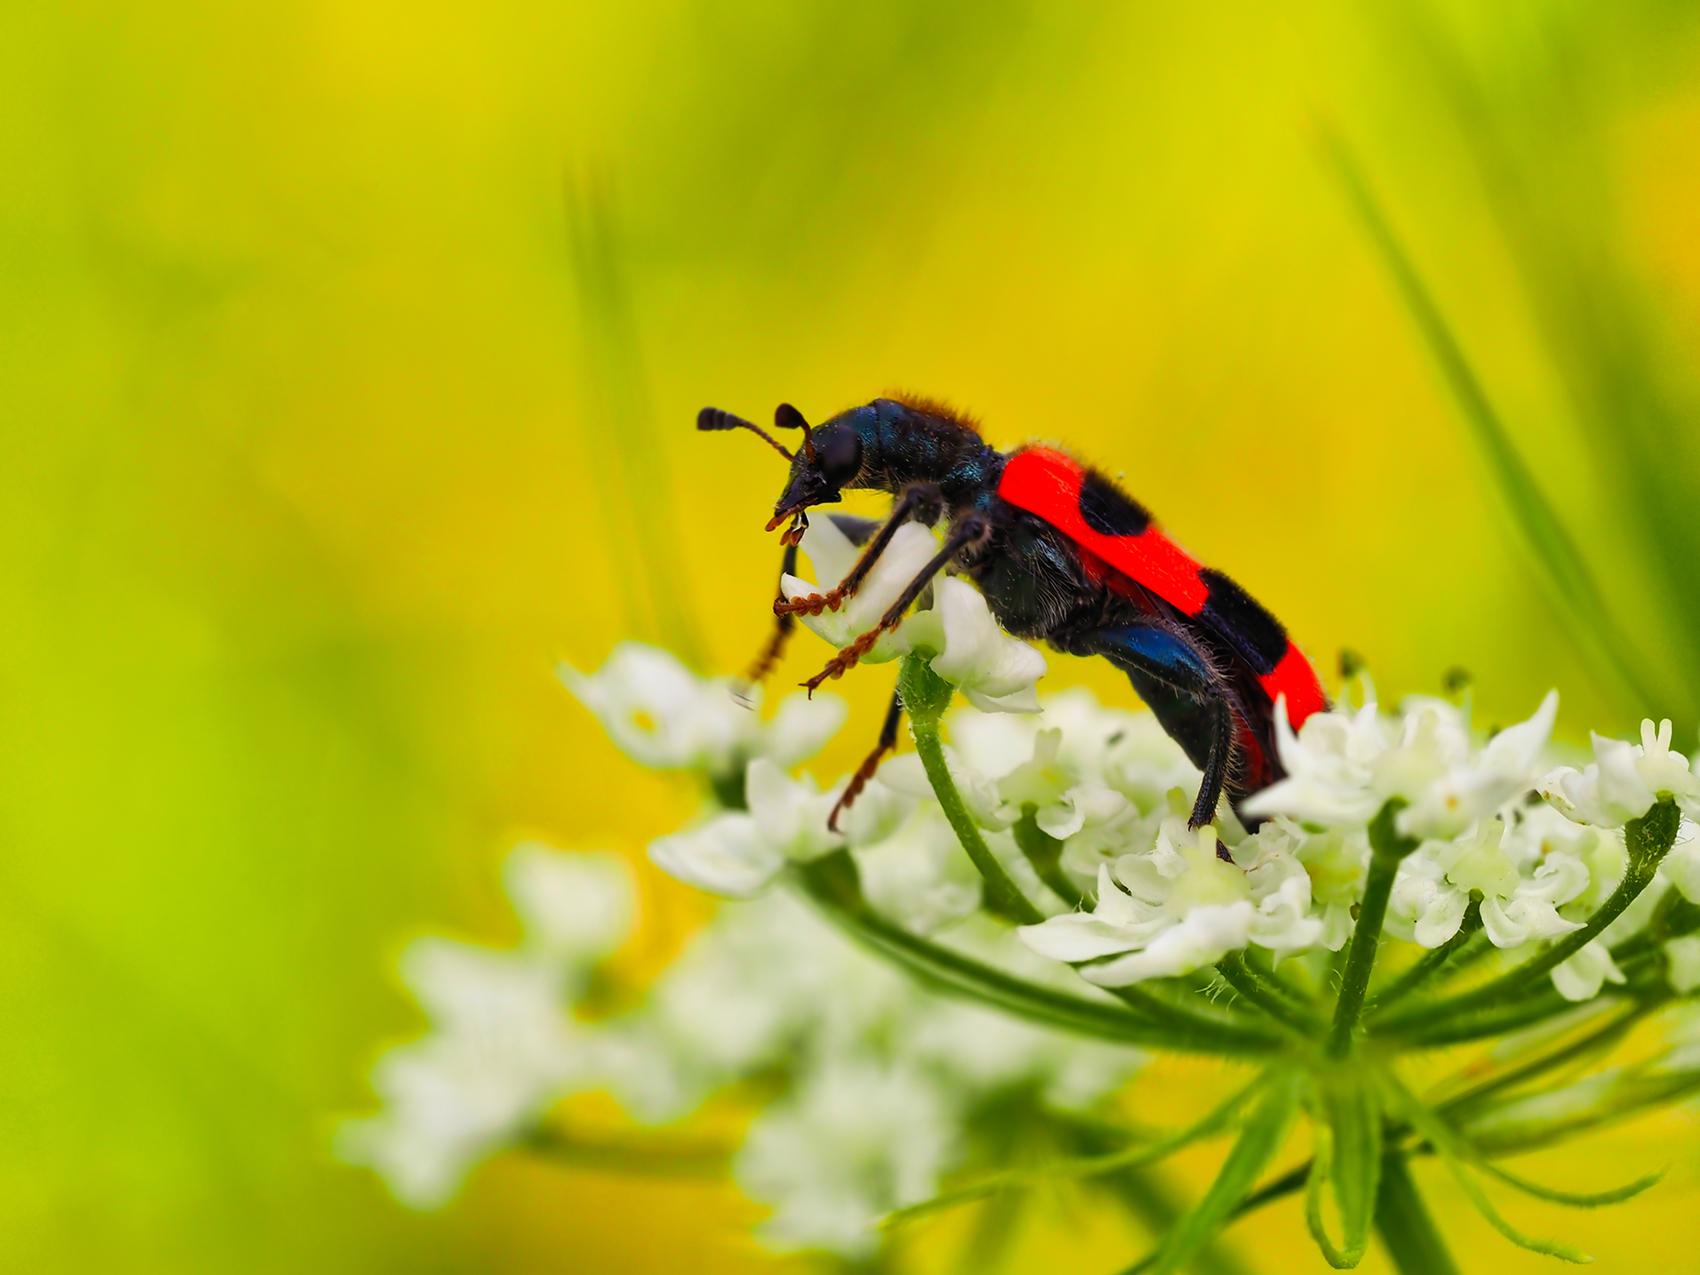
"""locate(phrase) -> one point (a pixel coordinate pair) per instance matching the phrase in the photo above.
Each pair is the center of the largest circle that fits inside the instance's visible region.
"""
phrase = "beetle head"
(828, 461)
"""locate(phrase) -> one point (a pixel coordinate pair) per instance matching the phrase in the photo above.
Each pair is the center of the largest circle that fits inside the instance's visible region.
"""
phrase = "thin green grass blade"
(1575, 1199)
(1261, 1138)
(1558, 560)
(633, 487)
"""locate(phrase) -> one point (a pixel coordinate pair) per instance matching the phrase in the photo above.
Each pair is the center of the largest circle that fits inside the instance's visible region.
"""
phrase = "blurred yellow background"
(333, 339)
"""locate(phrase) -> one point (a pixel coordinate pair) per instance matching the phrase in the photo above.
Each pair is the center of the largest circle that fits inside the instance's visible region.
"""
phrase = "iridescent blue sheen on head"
(897, 444)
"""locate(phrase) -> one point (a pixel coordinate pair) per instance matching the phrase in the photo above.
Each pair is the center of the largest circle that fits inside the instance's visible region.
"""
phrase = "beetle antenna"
(787, 417)
(713, 418)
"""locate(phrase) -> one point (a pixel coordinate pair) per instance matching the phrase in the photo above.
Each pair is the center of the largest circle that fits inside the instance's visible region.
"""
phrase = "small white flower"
(502, 1051)
(737, 855)
(1581, 977)
(994, 671)
(762, 977)
(854, 1141)
(727, 855)
(1126, 750)
(665, 717)
(920, 877)
(1183, 908)
(1281, 887)
(832, 555)
(906, 774)
(1434, 886)
(1343, 766)
(1624, 780)
(1330, 766)
(1476, 786)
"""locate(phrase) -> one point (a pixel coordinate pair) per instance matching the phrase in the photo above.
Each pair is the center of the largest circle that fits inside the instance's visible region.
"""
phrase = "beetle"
(1062, 554)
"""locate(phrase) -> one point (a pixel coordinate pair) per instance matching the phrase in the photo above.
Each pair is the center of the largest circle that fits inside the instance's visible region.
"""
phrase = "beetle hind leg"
(870, 763)
(1189, 698)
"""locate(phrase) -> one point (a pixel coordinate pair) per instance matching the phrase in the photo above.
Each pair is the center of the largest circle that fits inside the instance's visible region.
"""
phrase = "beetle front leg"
(922, 503)
(859, 531)
(969, 531)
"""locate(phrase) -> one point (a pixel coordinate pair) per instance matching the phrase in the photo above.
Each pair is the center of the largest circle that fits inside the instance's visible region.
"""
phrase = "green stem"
(1649, 838)
(1407, 1231)
(831, 883)
(1044, 852)
(1271, 1000)
(1003, 896)
(1388, 848)
(1430, 963)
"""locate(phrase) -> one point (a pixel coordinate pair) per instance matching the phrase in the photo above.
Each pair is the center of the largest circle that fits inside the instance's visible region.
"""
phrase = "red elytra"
(1047, 483)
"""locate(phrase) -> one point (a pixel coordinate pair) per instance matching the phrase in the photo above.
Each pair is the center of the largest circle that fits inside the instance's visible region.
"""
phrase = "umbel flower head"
(1013, 913)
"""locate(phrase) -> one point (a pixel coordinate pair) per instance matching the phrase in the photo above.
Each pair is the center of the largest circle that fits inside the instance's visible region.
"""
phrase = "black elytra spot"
(1255, 633)
(1108, 509)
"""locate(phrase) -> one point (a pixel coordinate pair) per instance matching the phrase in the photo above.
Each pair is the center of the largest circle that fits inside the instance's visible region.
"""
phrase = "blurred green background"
(349, 356)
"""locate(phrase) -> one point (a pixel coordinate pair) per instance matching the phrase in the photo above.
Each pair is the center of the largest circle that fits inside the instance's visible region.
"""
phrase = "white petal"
(662, 715)
(802, 727)
(1023, 701)
(829, 551)
(877, 813)
(1682, 958)
(1682, 866)
(920, 877)
(577, 907)
(1580, 978)
(978, 655)
(1502, 931)
(1206, 935)
(1076, 936)
(726, 856)
(791, 815)
(1442, 916)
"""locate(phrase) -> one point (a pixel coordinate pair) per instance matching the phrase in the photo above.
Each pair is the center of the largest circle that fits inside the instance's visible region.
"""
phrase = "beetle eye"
(839, 452)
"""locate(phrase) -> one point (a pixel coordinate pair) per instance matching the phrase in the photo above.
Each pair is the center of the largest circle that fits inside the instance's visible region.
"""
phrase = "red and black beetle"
(1060, 553)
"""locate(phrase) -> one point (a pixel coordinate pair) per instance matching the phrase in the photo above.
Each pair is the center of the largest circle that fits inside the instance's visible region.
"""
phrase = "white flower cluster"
(503, 1045)
(883, 1075)
(1537, 869)
(1100, 780)
(883, 1080)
